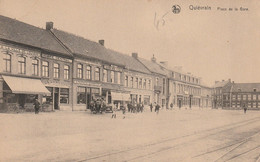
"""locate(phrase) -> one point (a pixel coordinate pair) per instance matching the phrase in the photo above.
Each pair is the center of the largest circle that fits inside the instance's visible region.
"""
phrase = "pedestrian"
(171, 105)
(36, 106)
(245, 108)
(151, 107)
(157, 108)
(114, 111)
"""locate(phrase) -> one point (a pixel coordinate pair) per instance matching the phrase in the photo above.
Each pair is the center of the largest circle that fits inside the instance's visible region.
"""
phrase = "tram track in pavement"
(202, 134)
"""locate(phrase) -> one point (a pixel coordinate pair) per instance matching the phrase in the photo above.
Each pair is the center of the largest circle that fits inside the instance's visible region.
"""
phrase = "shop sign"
(86, 83)
(87, 62)
(56, 58)
(19, 50)
(55, 83)
(112, 67)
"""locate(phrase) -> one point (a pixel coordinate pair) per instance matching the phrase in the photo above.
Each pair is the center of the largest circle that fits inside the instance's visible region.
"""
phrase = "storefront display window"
(64, 95)
(81, 95)
(48, 99)
(30, 98)
(10, 97)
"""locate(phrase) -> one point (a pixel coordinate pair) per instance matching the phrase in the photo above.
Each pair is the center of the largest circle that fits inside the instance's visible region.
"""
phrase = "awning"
(25, 85)
(117, 96)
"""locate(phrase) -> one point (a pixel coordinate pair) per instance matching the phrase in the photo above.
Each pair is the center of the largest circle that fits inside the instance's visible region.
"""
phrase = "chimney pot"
(102, 42)
(153, 59)
(135, 55)
(49, 25)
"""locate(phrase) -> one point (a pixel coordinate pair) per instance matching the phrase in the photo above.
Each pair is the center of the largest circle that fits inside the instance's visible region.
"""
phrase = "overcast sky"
(211, 44)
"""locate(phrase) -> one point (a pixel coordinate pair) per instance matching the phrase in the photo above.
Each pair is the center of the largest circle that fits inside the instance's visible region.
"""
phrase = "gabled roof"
(246, 87)
(153, 66)
(220, 84)
(19, 32)
(86, 48)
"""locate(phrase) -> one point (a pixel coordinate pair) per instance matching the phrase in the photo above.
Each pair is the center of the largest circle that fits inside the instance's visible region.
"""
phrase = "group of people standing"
(135, 108)
(156, 106)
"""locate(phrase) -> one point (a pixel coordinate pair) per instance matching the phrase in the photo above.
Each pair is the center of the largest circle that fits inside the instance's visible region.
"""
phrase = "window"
(88, 72)
(140, 83)
(66, 72)
(105, 75)
(157, 82)
(164, 85)
(136, 83)
(80, 71)
(97, 73)
(126, 81)
(254, 89)
(119, 77)
(173, 74)
(112, 77)
(45, 69)
(64, 95)
(56, 70)
(254, 97)
(7, 63)
(149, 84)
(81, 95)
(144, 84)
(132, 82)
(35, 66)
(21, 65)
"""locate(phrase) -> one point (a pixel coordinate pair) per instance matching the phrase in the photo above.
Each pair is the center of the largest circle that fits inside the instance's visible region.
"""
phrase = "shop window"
(30, 98)
(97, 73)
(80, 71)
(10, 97)
(45, 69)
(112, 77)
(95, 90)
(105, 75)
(64, 95)
(88, 72)
(66, 72)
(21, 65)
(81, 95)
(48, 99)
(56, 70)
(35, 67)
(7, 63)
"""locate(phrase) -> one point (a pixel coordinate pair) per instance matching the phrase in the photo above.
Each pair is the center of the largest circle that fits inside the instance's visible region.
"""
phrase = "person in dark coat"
(245, 108)
(157, 108)
(151, 107)
(171, 105)
(36, 106)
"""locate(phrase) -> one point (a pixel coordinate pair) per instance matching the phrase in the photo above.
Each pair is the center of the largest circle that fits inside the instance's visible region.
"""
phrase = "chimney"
(229, 80)
(216, 82)
(223, 80)
(153, 59)
(102, 42)
(165, 63)
(49, 25)
(135, 55)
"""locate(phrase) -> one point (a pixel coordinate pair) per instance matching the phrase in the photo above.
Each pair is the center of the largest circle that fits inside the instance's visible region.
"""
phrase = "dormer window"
(254, 89)
(239, 90)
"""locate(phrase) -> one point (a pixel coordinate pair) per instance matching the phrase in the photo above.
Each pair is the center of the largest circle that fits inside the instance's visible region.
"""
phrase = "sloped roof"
(19, 32)
(246, 87)
(220, 84)
(153, 66)
(130, 62)
(86, 48)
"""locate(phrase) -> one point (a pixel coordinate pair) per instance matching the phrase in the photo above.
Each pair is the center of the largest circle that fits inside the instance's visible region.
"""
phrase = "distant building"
(237, 94)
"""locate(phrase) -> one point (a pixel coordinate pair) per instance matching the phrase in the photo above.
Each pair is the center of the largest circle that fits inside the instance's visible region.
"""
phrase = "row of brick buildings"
(231, 95)
(66, 72)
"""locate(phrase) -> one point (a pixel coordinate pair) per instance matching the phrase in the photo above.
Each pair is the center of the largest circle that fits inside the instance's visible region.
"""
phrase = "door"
(56, 101)
(179, 103)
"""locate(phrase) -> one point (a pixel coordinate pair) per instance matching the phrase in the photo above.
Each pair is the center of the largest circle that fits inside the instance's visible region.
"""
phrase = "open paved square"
(173, 135)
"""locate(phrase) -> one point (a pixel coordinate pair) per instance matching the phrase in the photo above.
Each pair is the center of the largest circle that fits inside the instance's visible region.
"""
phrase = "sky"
(212, 44)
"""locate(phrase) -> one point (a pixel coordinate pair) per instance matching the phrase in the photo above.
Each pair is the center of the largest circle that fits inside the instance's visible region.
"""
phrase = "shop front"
(20, 93)
(84, 93)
